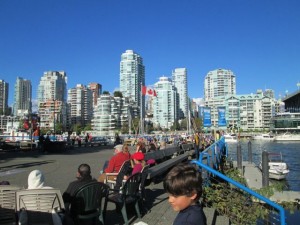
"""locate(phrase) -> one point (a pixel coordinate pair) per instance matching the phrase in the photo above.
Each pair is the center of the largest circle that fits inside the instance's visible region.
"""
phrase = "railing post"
(265, 169)
(239, 156)
(249, 152)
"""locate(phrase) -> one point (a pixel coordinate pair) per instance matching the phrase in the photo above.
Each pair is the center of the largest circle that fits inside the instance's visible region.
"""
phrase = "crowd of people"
(181, 183)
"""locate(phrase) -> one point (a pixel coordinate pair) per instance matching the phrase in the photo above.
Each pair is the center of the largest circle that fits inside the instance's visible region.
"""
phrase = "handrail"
(215, 158)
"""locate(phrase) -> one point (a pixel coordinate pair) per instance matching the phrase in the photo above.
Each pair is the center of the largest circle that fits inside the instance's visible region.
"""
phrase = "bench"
(166, 165)
(162, 155)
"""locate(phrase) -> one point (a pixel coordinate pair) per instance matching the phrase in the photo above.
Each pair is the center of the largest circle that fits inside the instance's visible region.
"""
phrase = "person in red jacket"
(114, 164)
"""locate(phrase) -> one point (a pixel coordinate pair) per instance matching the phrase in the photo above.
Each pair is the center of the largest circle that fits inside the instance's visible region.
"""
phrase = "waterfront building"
(96, 89)
(52, 114)
(111, 114)
(22, 97)
(179, 78)
(132, 76)
(80, 103)
(165, 104)
(8, 123)
(4, 98)
(289, 120)
(218, 83)
(52, 106)
(53, 85)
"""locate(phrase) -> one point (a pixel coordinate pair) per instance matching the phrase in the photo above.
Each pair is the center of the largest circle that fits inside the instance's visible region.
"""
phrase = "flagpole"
(141, 111)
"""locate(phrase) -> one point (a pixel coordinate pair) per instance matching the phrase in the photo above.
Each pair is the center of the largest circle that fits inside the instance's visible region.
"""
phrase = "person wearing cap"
(138, 162)
(121, 154)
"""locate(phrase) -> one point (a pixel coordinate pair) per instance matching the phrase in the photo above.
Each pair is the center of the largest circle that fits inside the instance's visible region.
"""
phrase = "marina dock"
(253, 176)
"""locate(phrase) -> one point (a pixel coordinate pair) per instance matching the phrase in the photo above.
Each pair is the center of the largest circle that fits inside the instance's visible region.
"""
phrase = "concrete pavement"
(60, 169)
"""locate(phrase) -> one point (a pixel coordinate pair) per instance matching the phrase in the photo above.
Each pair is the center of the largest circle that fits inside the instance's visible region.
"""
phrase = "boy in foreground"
(184, 186)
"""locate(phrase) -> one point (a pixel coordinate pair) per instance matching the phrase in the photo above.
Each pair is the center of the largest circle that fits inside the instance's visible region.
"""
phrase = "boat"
(278, 169)
(287, 136)
(266, 137)
(230, 138)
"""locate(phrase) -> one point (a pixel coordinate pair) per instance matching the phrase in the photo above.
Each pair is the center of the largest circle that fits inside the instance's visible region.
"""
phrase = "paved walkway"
(60, 169)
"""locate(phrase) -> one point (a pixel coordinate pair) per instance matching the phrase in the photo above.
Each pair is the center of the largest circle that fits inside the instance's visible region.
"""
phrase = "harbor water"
(291, 155)
(289, 150)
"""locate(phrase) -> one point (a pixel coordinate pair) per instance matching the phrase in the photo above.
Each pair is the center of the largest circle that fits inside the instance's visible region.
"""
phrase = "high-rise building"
(22, 97)
(80, 101)
(3, 97)
(219, 83)
(179, 78)
(132, 76)
(165, 104)
(52, 106)
(97, 91)
(53, 86)
(112, 113)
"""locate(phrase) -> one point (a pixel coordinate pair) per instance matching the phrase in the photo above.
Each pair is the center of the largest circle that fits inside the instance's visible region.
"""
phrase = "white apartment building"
(179, 78)
(248, 111)
(22, 97)
(255, 111)
(53, 85)
(80, 103)
(132, 76)
(219, 83)
(165, 105)
(52, 93)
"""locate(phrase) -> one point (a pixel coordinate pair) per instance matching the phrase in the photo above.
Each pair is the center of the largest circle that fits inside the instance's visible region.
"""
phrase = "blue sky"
(259, 40)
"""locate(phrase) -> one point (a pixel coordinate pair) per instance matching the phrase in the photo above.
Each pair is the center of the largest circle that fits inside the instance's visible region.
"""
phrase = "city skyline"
(258, 41)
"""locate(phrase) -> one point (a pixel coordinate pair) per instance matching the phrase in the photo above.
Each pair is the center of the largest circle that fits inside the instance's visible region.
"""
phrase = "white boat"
(278, 169)
(230, 138)
(287, 136)
(267, 137)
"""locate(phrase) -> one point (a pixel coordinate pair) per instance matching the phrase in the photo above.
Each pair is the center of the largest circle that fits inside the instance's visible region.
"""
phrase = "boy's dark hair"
(184, 179)
(84, 170)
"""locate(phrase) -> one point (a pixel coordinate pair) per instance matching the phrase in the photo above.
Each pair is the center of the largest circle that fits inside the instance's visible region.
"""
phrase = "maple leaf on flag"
(148, 91)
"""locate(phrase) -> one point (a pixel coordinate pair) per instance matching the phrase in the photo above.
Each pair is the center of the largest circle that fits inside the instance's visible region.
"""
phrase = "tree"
(199, 124)
(105, 93)
(175, 126)
(125, 128)
(183, 124)
(118, 94)
(136, 124)
(58, 128)
(87, 127)
(77, 128)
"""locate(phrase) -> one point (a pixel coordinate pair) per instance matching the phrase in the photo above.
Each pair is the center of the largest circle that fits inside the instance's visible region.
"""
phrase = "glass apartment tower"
(3, 97)
(179, 77)
(132, 76)
(22, 97)
(165, 105)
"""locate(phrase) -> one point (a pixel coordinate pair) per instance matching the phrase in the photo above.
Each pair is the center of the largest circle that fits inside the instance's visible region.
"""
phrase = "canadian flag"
(148, 91)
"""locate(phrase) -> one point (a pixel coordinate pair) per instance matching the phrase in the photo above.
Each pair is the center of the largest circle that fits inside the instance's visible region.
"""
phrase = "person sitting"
(140, 147)
(114, 164)
(83, 176)
(137, 163)
(184, 186)
(36, 180)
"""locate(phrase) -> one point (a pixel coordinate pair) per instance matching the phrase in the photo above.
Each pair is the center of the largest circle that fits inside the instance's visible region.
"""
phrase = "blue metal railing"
(213, 156)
